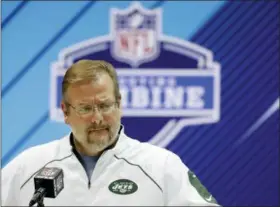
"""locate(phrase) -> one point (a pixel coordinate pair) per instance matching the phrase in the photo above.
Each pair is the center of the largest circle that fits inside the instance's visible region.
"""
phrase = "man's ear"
(65, 111)
(119, 100)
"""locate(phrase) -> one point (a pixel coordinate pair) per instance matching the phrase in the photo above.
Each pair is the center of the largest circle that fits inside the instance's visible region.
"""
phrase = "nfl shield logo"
(136, 31)
(166, 83)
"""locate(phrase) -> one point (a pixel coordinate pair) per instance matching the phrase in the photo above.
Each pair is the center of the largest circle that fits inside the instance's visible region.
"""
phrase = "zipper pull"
(89, 184)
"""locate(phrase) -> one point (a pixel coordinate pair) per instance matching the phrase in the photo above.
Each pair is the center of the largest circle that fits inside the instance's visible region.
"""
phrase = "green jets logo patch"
(203, 192)
(123, 187)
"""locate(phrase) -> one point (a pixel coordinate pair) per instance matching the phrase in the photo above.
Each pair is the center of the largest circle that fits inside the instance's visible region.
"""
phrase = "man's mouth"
(99, 129)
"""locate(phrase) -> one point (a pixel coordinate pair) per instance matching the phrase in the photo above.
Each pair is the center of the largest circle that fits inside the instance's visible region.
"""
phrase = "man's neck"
(86, 151)
(90, 151)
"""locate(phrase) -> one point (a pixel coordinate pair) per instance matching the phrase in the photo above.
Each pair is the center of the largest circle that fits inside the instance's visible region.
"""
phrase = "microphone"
(48, 183)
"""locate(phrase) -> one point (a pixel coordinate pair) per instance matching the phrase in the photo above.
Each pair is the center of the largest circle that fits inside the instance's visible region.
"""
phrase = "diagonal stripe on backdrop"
(267, 156)
(223, 14)
(12, 15)
(24, 138)
(46, 47)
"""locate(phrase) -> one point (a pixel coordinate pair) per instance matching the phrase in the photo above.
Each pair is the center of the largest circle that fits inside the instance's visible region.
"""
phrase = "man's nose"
(97, 117)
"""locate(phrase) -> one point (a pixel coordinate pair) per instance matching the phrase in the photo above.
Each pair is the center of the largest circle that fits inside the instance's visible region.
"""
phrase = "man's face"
(94, 128)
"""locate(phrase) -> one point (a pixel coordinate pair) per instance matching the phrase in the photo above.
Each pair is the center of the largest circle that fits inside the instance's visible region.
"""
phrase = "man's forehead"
(99, 79)
(89, 93)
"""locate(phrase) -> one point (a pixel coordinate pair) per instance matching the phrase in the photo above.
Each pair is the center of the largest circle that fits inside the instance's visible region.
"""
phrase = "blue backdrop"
(235, 154)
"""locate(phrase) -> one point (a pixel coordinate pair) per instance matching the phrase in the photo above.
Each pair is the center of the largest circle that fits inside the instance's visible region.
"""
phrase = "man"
(101, 165)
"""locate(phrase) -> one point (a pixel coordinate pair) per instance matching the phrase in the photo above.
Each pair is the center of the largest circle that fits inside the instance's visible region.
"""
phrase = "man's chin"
(98, 137)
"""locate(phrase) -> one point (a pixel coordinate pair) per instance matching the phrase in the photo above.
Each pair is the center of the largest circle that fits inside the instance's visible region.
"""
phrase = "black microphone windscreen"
(51, 179)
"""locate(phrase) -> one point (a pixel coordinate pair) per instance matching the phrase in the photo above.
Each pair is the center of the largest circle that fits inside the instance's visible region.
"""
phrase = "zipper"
(89, 184)
(80, 161)
(89, 179)
(96, 164)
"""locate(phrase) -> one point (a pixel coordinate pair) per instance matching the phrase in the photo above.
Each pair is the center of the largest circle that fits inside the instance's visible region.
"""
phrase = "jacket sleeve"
(10, 183)
(182, 187)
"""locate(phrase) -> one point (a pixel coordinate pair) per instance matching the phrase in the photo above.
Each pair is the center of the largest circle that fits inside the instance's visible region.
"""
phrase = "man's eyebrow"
(102, 101)
(84, 103)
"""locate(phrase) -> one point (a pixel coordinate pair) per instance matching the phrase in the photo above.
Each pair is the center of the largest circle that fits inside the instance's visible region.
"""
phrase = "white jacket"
(159, 178)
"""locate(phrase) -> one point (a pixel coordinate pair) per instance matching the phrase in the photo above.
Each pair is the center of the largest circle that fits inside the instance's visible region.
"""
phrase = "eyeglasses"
(87, 110)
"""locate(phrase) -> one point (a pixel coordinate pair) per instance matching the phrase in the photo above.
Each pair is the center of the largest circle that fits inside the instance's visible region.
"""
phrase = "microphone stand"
(38, 198)
(40, 202)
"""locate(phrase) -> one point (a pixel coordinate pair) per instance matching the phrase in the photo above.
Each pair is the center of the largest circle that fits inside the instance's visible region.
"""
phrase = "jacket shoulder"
(150, 158)
(153, 152)
(33, 157)
(145, 152)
